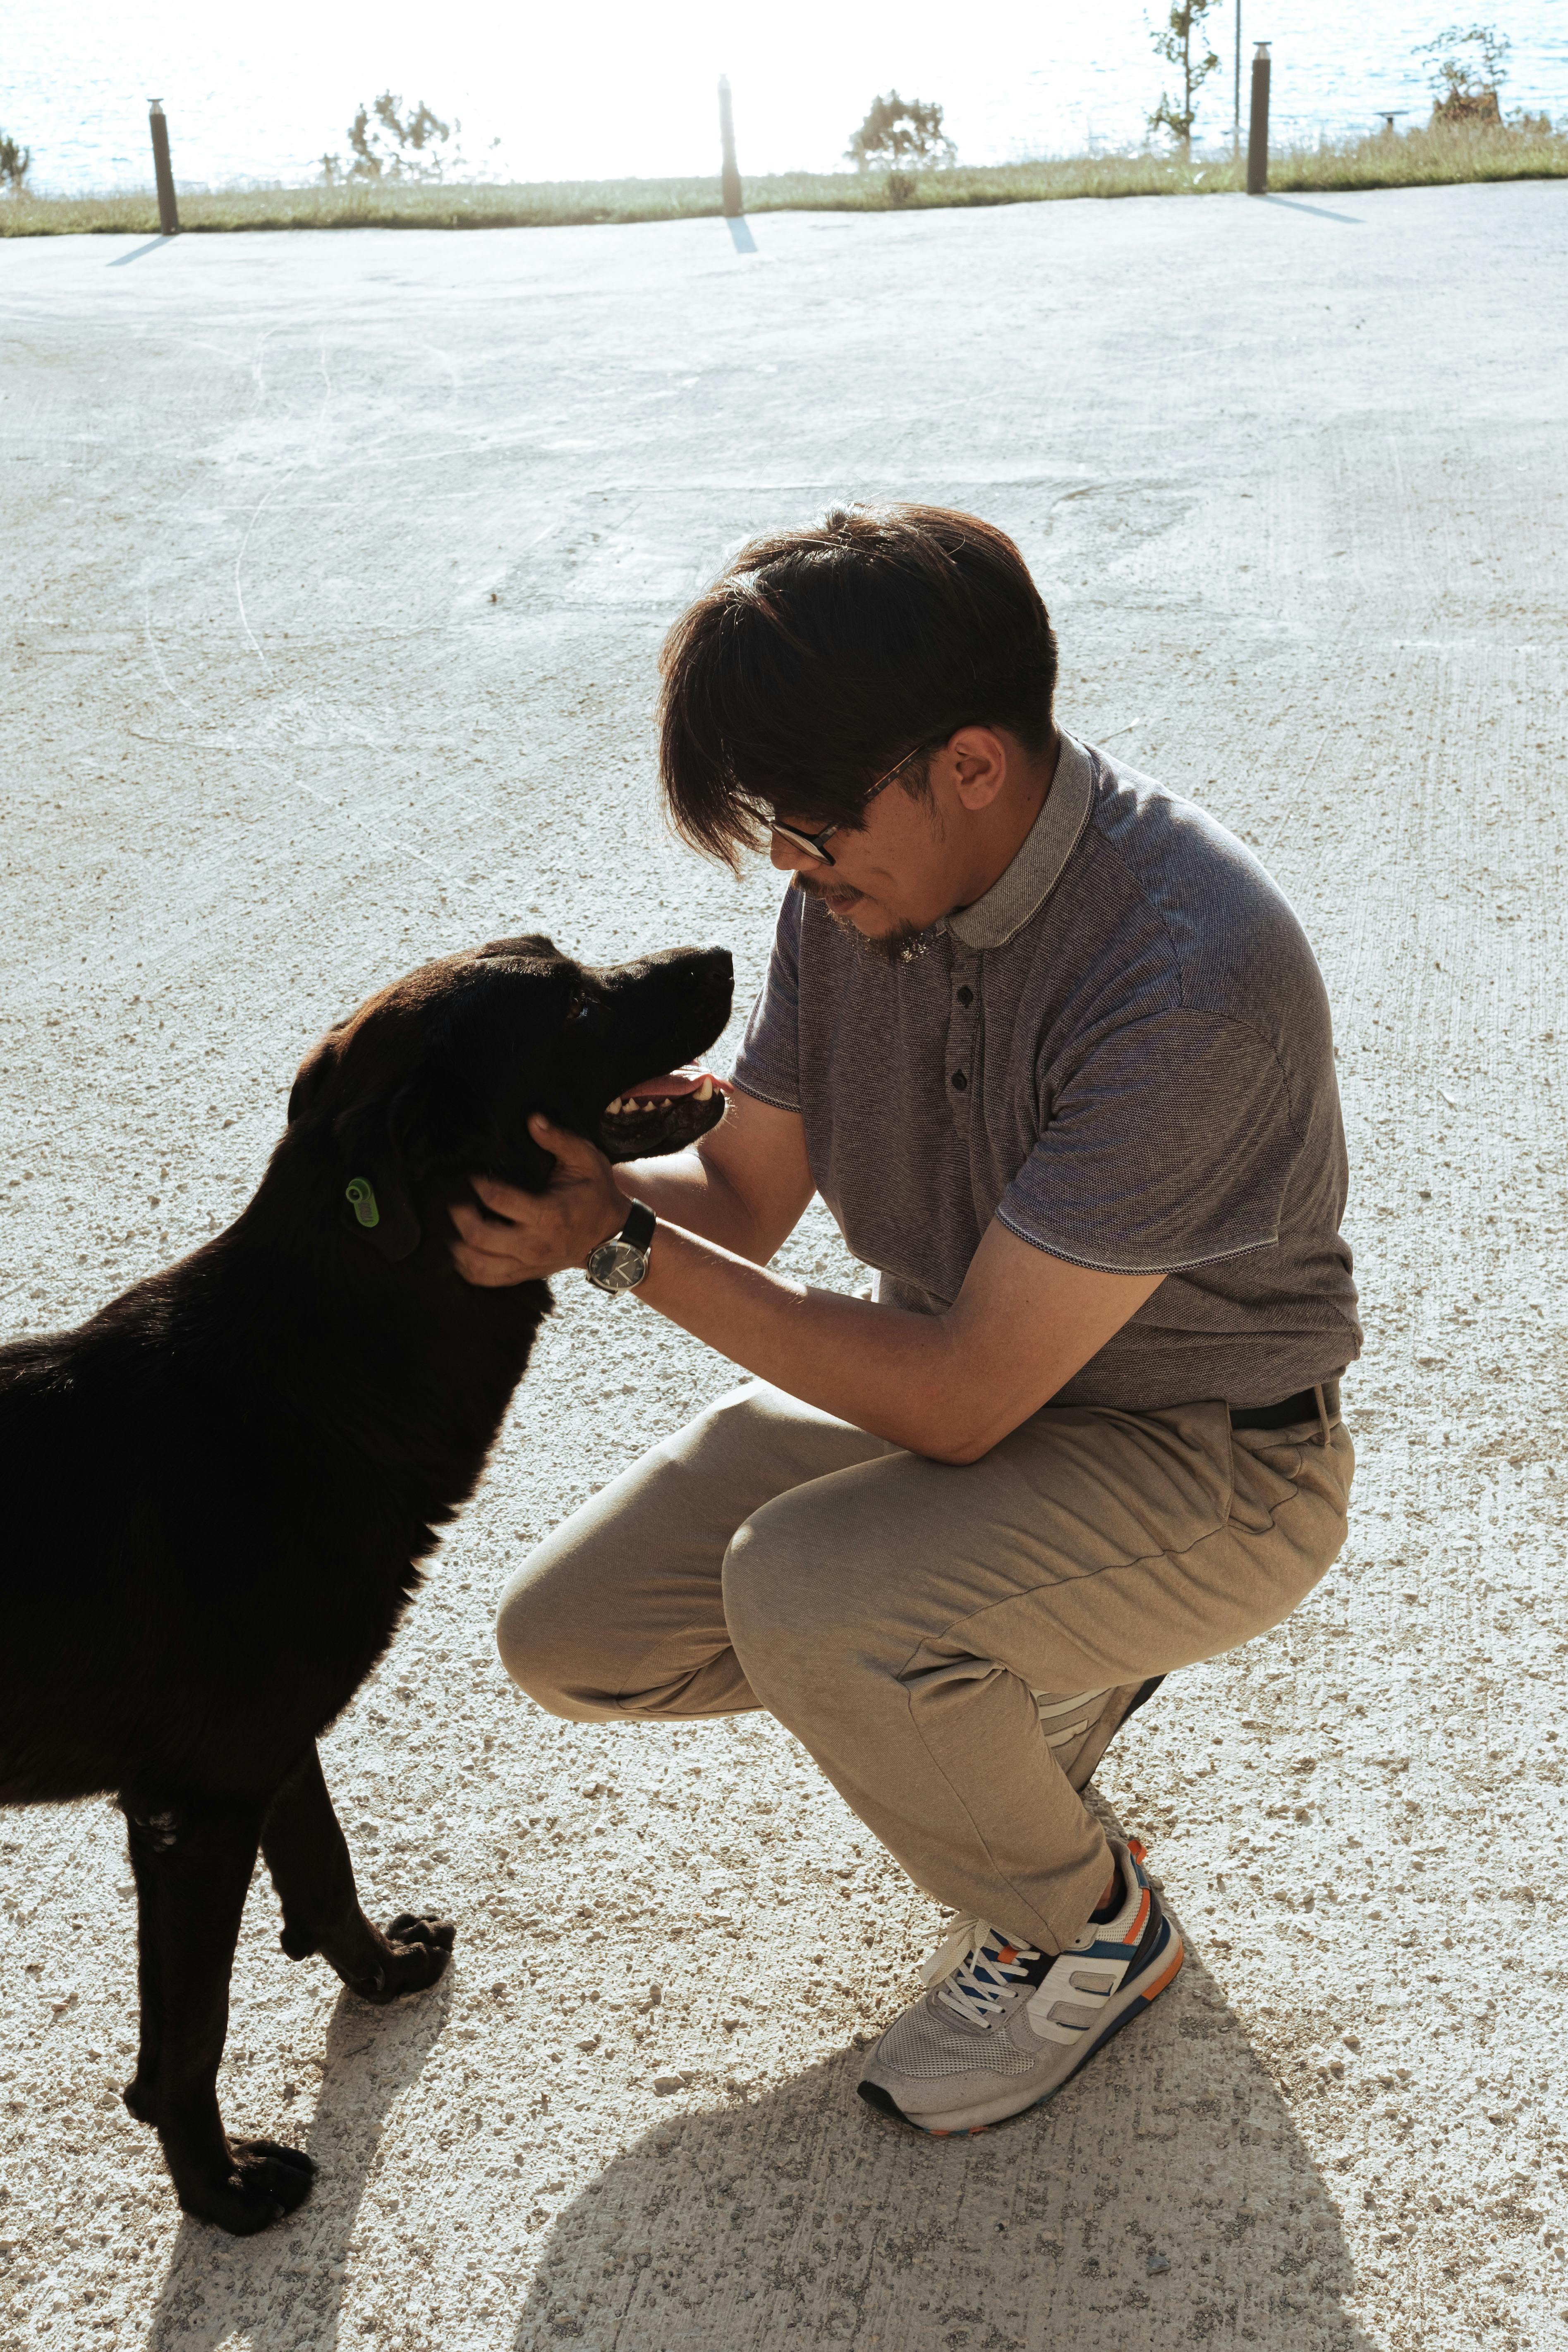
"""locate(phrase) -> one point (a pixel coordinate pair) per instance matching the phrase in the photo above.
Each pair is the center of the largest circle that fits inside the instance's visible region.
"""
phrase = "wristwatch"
(621, 1263)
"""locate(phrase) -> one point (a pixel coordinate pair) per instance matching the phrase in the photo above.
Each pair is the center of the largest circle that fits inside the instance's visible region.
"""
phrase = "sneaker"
(1005, 2026)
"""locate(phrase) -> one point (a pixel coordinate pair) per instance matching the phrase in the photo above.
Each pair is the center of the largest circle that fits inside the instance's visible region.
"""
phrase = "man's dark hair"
(820, 657)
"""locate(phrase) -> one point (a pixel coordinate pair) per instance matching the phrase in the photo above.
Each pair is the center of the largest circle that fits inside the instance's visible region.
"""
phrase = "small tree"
(1467, 71)
(1183, 42)
(387, 147)
(15, 163)
(903, 132)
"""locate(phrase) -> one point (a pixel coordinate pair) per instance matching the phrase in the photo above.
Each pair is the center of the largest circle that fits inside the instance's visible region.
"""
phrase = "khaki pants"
(954, 1645)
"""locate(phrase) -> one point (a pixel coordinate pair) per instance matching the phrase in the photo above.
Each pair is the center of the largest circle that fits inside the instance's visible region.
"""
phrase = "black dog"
(217, 1491)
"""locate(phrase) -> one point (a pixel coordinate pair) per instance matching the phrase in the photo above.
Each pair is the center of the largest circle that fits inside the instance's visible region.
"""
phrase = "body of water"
(627, 90)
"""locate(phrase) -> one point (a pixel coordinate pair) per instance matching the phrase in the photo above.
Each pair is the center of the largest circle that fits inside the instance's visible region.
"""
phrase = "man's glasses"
(812, 843)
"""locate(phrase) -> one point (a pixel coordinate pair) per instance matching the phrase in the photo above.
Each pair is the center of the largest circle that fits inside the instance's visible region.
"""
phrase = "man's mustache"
(810, 888)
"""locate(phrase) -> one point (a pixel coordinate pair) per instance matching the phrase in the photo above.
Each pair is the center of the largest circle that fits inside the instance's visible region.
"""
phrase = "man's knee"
(544, 1650)
(786, 1602)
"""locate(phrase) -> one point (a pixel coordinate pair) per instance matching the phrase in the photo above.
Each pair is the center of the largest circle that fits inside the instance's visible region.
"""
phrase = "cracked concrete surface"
(336, 570)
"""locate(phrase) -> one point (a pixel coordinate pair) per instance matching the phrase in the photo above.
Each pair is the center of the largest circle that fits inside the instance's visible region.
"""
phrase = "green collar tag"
(361, 1195)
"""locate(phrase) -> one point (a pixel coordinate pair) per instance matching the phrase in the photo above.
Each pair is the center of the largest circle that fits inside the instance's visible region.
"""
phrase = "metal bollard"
(1258, 136)
(733, 207)
(163, 170)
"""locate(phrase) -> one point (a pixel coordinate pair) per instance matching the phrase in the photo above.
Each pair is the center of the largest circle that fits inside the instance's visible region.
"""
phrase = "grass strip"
(1425, 158)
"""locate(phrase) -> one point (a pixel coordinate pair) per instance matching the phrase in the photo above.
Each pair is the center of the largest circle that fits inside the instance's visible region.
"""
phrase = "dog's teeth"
(705, 1091)
(613, 1109)
(664, 1102)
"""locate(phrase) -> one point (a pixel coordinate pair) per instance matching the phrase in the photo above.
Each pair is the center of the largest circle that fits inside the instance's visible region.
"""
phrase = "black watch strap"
(640, 1225)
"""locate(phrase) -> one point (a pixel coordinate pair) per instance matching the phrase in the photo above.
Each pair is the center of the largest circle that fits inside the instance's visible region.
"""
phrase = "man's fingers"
(486, 1272)
(574, 1151)
(576, 1159)
(517, 1236)
(507, 1200)
(468, 1220)
(491, 1227)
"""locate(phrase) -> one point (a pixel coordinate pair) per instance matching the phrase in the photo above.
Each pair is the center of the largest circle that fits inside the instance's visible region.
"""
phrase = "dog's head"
(434, 1080)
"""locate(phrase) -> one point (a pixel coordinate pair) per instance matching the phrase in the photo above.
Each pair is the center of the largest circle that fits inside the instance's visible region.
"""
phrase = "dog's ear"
(314, 1071)
(533, 944)
(373, 1138)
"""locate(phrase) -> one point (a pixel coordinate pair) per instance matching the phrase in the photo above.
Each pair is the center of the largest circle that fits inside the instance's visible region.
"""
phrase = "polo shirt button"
(966, 996)
(958, 1080)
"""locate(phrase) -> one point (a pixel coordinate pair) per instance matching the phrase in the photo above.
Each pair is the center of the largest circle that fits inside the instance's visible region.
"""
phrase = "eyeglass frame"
(812, 842)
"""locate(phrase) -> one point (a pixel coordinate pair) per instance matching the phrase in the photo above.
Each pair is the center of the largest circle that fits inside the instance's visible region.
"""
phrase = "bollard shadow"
(151, 246)
(741, 235)
(1165, 2197)
(282, 2289)
(1318, 212)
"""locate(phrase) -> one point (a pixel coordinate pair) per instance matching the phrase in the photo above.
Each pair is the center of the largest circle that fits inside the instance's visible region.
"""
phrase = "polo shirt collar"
(1022, 891)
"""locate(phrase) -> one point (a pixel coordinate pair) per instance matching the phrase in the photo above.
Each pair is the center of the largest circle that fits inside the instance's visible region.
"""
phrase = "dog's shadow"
(219, 2288)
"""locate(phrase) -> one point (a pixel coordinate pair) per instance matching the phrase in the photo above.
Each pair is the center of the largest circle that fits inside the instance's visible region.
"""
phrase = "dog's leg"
(193, 1862)
(309, 1858)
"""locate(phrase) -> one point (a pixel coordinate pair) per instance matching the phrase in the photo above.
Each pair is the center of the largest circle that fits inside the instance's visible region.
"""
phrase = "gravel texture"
(336, 567)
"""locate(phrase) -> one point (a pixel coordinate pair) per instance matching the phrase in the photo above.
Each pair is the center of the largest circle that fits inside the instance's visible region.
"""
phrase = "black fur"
(219, 1489)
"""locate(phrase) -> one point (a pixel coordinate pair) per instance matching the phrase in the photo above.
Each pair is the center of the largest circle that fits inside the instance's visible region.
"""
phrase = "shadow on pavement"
(284, 2287)
(1163, 2199)
(1318, 212)
(137, 251)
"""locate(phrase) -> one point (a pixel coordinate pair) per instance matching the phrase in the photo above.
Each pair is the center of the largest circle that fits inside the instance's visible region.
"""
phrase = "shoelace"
(979, 1966)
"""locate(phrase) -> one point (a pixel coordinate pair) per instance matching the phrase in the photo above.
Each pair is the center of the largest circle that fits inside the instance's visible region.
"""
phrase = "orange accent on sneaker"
(1137, 1849)
(1007, 1955)
(1150, 1991)
(1142, 1921)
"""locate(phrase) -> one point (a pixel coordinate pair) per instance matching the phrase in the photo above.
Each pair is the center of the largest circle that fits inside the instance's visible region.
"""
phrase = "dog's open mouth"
(662, 1113)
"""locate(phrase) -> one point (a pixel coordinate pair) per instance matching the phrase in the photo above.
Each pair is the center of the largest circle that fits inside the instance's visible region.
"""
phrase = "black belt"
(1303, 1407)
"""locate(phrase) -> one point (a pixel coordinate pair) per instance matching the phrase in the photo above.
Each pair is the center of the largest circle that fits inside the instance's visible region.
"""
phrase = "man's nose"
(789, 856)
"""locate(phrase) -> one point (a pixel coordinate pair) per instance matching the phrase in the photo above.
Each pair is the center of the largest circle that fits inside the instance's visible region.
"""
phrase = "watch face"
(618, 1264)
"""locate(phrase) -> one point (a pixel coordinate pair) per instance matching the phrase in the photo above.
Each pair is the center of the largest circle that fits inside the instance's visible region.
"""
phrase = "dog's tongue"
(684, 1081)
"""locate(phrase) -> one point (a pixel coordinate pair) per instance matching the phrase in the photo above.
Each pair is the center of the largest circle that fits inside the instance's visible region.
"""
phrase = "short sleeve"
(1170, 1145)
(768, 1064)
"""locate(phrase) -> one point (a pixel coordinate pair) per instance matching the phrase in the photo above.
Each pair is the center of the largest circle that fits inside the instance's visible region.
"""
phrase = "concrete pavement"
(336, 570)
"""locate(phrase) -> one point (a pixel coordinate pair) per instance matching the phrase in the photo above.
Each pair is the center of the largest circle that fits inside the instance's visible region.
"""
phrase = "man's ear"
(978, 762)
(371, 1138)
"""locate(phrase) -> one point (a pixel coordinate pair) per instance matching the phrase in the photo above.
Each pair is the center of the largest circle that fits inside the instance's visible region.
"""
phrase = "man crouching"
(1054, 1052)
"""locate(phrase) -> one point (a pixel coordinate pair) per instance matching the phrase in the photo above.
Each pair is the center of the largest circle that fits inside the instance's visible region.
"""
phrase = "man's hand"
(527, 1237)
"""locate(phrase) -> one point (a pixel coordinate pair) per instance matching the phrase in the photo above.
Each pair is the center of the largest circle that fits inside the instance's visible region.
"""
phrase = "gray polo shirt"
(1123, 1052)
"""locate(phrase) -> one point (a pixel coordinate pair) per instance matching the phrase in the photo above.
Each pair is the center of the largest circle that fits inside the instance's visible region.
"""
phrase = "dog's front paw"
(417, 1950)
(264, 2182)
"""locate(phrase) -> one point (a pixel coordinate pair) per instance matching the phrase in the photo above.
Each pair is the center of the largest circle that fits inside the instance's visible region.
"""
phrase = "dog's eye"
(579, 1010)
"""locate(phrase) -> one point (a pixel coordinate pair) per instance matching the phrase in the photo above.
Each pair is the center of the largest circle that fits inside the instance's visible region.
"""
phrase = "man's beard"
(903, 944)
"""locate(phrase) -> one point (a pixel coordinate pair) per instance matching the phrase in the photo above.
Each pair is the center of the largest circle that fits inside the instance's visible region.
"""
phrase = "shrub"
(1466, 73)
(902, 131)
(387, 147)
(15, 163)
(1175, 42)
